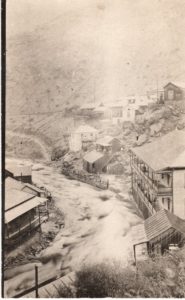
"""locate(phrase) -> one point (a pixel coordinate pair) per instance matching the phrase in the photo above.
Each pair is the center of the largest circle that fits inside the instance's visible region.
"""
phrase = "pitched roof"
(88, 106)
(93, 156)
(11, 183)
(106, 141)
(19, 210)
(19, 170)
(115, 104)
(165, 152)
(161, 222)
(15, 197)
(158, 224)
(177, 84)
(86, 128)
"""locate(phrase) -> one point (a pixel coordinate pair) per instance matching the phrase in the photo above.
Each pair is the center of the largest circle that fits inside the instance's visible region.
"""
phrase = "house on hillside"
(157, 233)
(108, 144)
(95, 161)
(21, 173)
(11, 183)
(174, 91)
(158, 174)
(22, 214)
(82, 135)
(116, 111)
(87, 109)
(129, 112)
(103, 112)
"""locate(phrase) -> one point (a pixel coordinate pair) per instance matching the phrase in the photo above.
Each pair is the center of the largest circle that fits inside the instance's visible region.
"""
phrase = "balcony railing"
(146, 201)
(152, 183)
(29, 226)
(156, 185)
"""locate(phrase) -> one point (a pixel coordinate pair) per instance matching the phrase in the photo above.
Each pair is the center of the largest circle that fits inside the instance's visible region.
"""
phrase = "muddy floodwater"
(98, 224)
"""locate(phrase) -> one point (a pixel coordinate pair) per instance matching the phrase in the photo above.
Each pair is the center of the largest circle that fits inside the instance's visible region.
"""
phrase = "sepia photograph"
(93, 149)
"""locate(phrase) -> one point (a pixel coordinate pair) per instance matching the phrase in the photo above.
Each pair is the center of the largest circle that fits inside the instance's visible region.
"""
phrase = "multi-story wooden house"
(158, 174)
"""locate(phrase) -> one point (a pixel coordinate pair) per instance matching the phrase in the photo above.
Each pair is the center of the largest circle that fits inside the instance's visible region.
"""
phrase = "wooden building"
(82, 135)
(23, 213)
(87, 109)
(129, 112)
(108, 144)
(174, 91)
(95, 162)
(11, 183)
(157, 233)
(21, 173)
(116, 111)
(158, 174)
(8, 174)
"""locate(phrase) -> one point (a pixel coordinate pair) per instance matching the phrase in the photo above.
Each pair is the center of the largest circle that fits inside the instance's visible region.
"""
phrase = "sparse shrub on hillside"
(58, 152)
(36, 155)
(162, 276)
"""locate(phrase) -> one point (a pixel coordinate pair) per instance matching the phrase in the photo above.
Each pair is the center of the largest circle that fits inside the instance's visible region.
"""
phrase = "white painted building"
(82, 134)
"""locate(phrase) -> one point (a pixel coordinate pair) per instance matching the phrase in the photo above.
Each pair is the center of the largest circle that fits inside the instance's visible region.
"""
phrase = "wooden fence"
(92, 179)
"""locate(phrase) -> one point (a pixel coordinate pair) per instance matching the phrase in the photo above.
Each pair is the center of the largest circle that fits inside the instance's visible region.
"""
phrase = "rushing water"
(97, 224)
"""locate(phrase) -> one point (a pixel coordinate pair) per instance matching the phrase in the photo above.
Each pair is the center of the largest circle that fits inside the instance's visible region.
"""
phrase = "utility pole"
(36, 282)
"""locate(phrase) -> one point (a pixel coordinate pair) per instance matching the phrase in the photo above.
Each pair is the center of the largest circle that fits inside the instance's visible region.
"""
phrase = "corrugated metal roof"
(23, 208)
(93, 156)
(165, 152)
(19, 170)
(156, 225)
(15, 197)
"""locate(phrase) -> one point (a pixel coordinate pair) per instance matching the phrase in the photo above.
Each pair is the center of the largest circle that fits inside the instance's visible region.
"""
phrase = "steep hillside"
(74, 52)
(61, 54)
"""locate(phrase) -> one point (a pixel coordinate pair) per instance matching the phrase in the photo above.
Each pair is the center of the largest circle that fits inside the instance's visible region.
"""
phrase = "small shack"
(174, 91)
(108, 144)
(94, 161)
(21, 173)
(158, 232)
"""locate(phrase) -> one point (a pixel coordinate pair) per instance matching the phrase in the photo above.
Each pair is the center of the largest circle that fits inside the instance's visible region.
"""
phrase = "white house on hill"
(83, 134)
